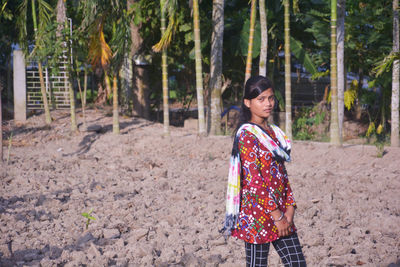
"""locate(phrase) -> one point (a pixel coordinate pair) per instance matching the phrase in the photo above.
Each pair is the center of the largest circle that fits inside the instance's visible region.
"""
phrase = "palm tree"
(199, 71)
(288, 86)
(74, 126)
(39, 23)
(162, 45)
(109, 53)
(251, 40)
(1, 129)
(340, 63)
(164, 69)
(119, 43)
(334, 126)
(62, 24)
(394, 135)
(216, 66)
(264, 40)
(115, 106)
(99, 51)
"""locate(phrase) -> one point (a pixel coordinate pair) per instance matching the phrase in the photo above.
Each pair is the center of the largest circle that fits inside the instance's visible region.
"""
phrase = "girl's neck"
(262, 124)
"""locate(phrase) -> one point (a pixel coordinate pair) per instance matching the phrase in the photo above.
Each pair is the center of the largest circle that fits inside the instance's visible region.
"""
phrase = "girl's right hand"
(283, 227)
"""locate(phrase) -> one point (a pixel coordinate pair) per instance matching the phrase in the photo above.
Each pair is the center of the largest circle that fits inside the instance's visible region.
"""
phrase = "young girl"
(260, 203)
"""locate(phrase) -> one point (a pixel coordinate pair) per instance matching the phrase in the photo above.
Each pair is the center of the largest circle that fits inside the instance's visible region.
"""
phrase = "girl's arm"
(290, 204)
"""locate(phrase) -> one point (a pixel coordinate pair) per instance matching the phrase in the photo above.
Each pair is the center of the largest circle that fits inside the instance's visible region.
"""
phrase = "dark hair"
(253, 88)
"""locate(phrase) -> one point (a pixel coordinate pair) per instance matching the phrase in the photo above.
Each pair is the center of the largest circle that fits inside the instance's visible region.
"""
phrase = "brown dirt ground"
(159, 201)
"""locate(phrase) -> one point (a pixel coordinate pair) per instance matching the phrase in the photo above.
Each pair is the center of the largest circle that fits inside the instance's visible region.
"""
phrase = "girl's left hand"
(290, 215)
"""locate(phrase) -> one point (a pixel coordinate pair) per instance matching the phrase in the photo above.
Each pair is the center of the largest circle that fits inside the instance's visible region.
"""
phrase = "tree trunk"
(85, 84)
(216, 66)
(164, 68)
(61, 18)
(115, 106)
(1, 129)
(262, 69)
(136, 42)
(107, 83)
(9, 80)
(199, 71)
(394, 133)
(44, 95)
(360, 85)
(250, 43)
(83, 96)
(125, 96)
(288, 85)
(69, 67)
(140, 96)
(101, 92)
(140, 75)
(334, 126)
(74, 126)
(341, 5)
(40, 69)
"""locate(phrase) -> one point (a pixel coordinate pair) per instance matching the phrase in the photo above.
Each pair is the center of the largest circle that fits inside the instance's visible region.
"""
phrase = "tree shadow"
(33, 257)
(98, 130)
(15, 202)
(25, 130)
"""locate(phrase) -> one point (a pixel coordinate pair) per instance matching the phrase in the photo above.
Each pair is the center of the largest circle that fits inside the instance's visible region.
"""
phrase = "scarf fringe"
(230, 224)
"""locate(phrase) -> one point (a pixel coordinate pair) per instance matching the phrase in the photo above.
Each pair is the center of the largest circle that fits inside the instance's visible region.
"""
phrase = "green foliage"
(321, 74)
(41, 16)
(171, 7)
(385, 64)
(350, 95)
(349, 98)
(88, 217)
(296, 48)
(280, 99)
(305, 122)
(371, 129)
(378, 136)
(367, 40)
(368, 29)
(5, 12)
(244, 38)
(89, 96)
(8, 33)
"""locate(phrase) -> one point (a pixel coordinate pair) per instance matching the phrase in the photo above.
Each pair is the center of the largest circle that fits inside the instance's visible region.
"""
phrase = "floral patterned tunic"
(265, 187)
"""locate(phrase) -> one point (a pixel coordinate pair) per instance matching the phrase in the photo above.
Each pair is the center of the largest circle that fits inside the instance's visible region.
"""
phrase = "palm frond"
(21, 24)
(45, 13)
(170, 6)
(386, 63)
(166, 38)
(296, 8)
(99, 50)
(4, 11)
(318, 14)
(121, 39)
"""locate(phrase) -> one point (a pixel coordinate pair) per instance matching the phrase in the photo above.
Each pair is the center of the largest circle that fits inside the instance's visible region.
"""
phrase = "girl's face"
(261, 107)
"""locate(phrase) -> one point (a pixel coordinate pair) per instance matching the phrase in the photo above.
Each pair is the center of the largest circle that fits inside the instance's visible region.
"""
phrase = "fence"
(305, 92)
(57, 86)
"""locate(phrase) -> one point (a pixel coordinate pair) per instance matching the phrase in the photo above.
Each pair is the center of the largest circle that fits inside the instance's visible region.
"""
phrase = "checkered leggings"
(288, 248)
